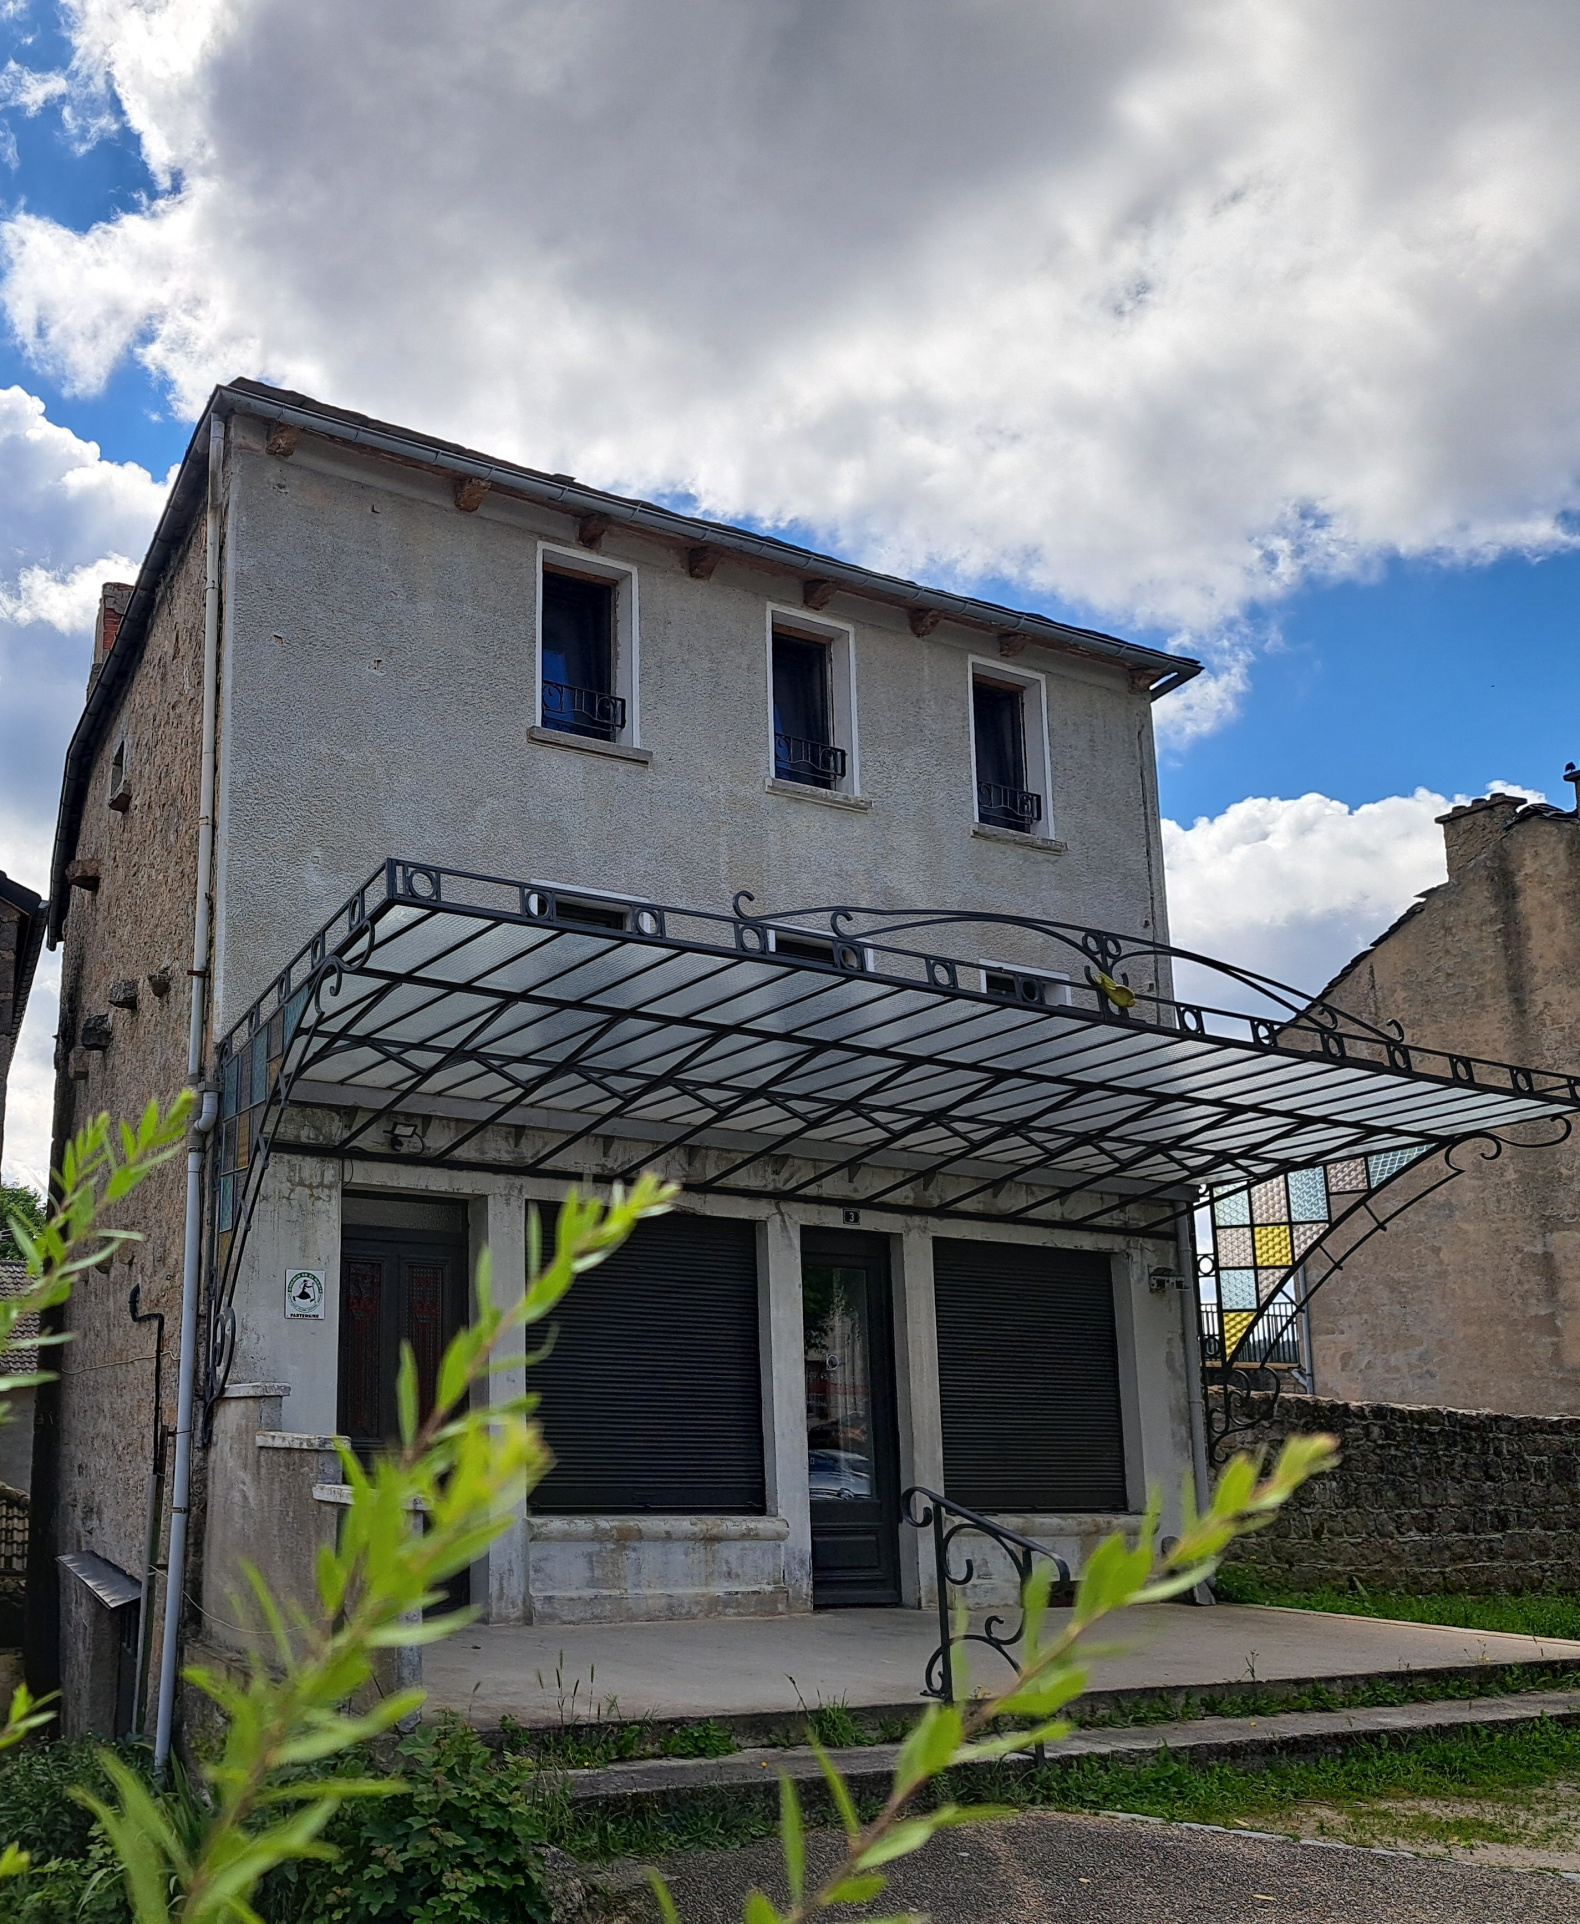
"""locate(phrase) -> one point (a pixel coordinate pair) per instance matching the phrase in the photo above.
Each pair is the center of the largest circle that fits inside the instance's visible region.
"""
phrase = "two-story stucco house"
(465, 832)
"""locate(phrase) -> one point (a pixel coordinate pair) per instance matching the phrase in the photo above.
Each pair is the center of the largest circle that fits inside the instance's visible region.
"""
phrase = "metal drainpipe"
(155, 1510)
(186, 1369)
(1196, 1389)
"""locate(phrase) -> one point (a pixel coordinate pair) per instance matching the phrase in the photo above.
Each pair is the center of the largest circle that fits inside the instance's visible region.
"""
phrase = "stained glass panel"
(1274, 1245)
(1347, 1175)
(1235, 1248)
(1308, 1196)
(1237, 1287)
(1231, 1206)
(1389, 1163)
(1270, 1202)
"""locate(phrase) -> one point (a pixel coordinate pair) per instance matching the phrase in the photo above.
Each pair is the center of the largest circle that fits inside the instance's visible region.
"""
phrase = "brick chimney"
(114, 598)
(1469, 831)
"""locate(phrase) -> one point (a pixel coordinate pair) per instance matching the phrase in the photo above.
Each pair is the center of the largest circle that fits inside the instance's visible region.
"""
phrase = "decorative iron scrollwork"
(925, 1509)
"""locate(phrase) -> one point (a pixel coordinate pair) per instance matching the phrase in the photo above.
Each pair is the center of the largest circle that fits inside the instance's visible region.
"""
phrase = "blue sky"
(1234, 326)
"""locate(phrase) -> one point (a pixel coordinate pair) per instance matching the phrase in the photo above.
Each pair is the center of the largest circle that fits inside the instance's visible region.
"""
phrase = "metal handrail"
(939, 1679)
(998, 799)
(589, 709)
(796, 758)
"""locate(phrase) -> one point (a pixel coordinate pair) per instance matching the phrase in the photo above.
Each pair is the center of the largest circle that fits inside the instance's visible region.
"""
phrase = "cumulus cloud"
(68, 521)
(1165, 307)
(1293, 889)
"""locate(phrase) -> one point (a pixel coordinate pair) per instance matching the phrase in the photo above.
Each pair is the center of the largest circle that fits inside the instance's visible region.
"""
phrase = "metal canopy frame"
(840, 1056)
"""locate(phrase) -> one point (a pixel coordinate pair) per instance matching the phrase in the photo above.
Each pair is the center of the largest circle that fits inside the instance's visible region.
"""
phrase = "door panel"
(396, 1285)
(852, 1440)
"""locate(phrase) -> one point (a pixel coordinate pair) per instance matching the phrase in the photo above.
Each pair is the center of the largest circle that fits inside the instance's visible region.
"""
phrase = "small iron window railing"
(999, 806)
(1276, 1347)
(799, 760)
(583, 711)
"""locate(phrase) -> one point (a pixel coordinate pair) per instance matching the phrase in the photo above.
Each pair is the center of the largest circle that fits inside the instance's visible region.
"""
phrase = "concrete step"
(1248, 1741)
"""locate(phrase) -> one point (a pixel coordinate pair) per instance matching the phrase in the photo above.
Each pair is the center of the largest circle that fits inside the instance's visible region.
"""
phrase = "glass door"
(851, 1437)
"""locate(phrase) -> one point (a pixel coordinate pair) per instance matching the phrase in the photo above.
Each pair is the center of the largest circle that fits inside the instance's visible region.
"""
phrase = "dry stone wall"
(1426, 1500)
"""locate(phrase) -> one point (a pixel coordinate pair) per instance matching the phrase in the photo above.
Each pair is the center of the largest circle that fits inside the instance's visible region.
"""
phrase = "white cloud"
(68, 521)
(1293, 889)
(1166, 307)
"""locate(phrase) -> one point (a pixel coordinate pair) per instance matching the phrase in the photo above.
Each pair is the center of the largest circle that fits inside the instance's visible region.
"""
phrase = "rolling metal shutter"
(652, 1394)
(1028, 1378)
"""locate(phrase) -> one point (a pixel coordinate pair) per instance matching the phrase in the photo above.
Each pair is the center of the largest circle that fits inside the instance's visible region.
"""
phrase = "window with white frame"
(587, 647)
(1009, 750)
(812, 703)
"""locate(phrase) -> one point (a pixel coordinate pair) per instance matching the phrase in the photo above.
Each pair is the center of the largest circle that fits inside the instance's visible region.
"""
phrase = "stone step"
(1243, 1740)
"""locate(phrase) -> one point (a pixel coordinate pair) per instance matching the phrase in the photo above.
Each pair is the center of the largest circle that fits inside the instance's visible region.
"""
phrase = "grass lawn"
(1535, 1614)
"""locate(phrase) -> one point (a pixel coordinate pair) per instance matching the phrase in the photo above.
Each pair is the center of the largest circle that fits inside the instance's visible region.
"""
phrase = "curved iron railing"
(939, 1678)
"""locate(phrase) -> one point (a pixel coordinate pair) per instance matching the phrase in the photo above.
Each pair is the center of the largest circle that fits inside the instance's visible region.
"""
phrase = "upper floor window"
(1009, 751)
(812, 704)
(587, 647)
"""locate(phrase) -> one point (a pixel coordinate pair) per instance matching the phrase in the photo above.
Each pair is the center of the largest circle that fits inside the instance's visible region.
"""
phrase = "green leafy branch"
(102, 1165)
(417, 1516)
(1051, 1675)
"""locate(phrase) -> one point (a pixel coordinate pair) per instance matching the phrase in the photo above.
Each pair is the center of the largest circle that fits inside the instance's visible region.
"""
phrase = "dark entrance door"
(403, 1277)
(853, 1455)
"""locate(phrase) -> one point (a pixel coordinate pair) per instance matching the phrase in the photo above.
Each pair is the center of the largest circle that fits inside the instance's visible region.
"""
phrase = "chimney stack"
(1470, 830)
(114, 598)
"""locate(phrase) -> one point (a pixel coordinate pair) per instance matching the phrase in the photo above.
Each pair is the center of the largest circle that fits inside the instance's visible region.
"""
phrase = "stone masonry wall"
(1426, 1500)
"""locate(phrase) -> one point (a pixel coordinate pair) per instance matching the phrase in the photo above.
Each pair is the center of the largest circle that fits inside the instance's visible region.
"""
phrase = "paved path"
(737, 1666)
(1049, 1868)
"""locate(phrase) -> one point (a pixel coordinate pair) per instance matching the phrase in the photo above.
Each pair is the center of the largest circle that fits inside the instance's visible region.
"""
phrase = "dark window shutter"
(1028, 1374)
(652, 1393)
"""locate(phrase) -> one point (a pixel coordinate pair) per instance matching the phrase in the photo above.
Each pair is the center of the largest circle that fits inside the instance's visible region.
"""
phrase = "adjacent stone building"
(1472, 1299)
(22, 918)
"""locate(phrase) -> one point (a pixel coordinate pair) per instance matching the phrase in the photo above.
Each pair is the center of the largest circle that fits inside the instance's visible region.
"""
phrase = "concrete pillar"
(921, 1422)
(500, 1580)
(297, 1226)
(784, 1399)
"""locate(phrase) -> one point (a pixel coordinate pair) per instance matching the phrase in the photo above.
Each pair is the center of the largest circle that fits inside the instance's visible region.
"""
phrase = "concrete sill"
(585, 745)
(1014, 835)
(342, 1493)
(659, 1529)
(256, 1390)
(825, 797)
(294, 1440)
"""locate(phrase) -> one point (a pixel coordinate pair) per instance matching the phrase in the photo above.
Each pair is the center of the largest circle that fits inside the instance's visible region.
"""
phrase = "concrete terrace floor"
(737, 1666)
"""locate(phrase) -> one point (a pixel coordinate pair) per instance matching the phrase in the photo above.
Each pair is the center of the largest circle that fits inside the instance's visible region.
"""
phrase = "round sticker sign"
(304, 1293)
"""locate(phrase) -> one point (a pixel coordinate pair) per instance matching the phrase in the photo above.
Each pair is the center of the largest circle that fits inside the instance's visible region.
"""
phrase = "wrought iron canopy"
(873, 1049)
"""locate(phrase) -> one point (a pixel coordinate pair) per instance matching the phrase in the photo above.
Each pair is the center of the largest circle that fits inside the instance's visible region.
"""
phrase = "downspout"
(155, 1511)
(1195, 1386)
(191, 1278)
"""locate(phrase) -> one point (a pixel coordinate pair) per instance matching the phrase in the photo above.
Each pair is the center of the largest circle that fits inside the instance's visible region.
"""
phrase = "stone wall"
(1426, 1500)
(1472, 1299)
